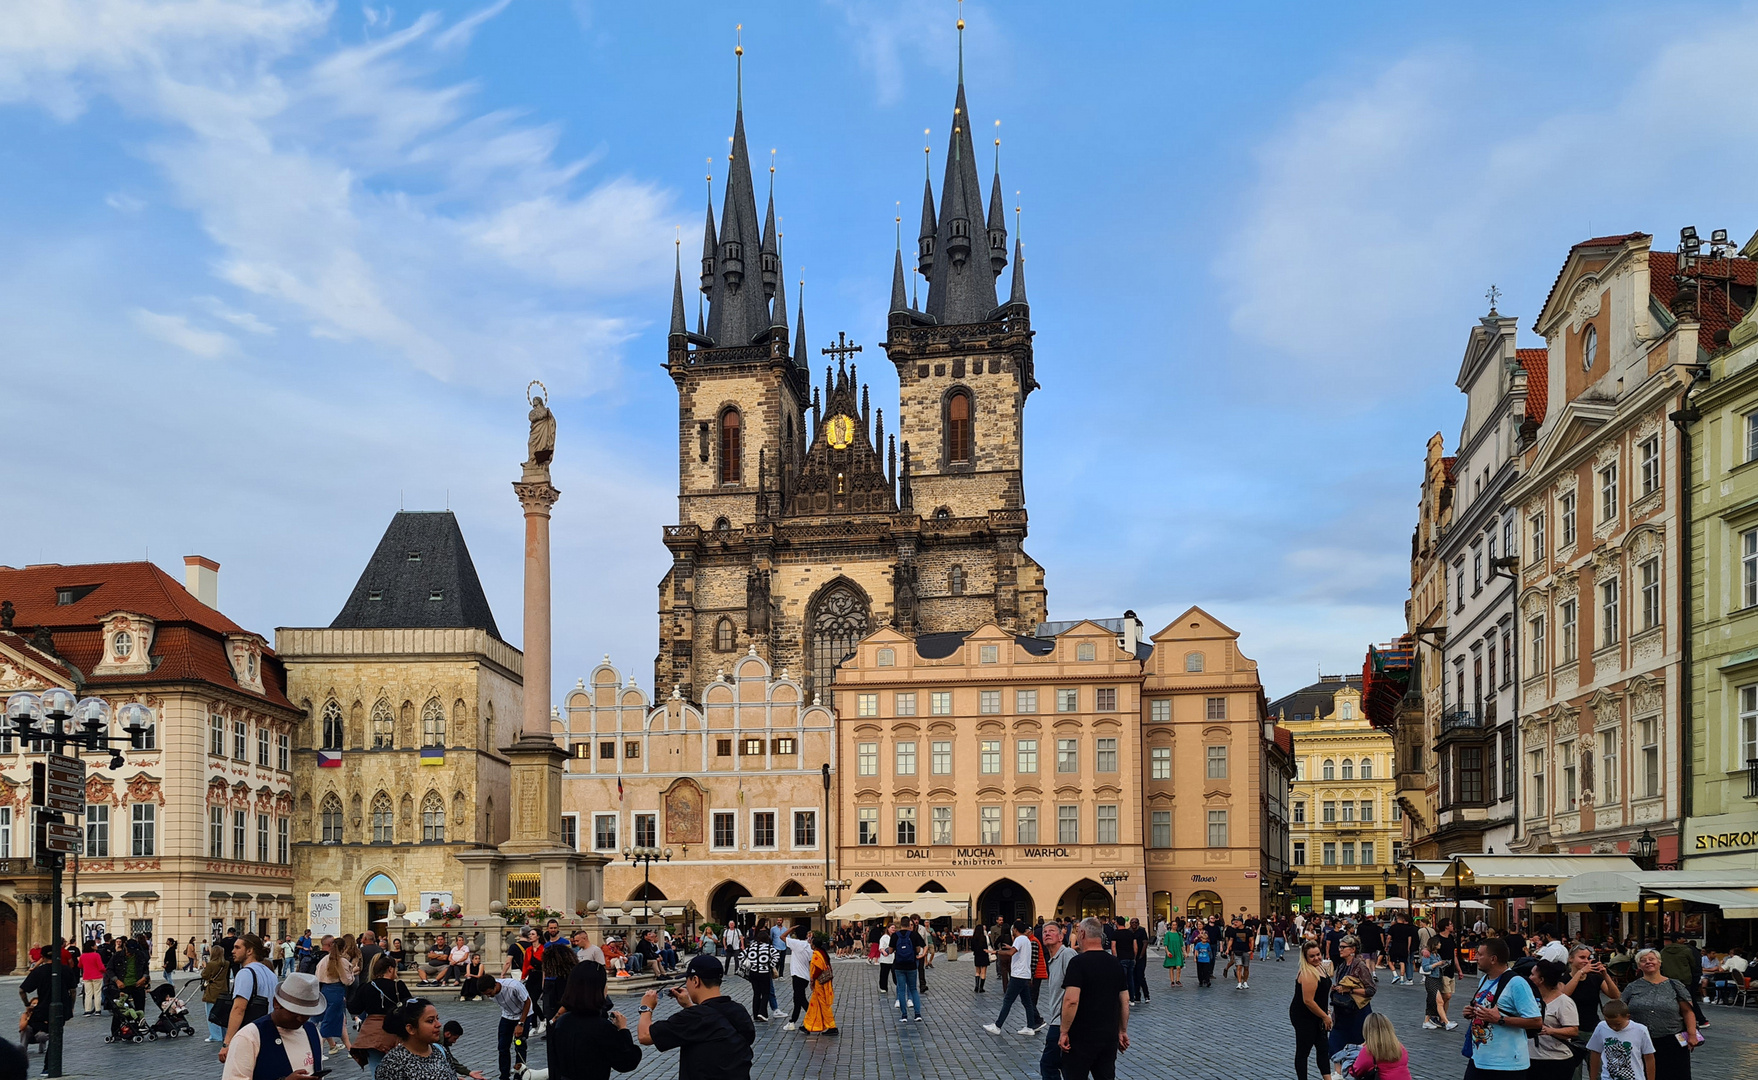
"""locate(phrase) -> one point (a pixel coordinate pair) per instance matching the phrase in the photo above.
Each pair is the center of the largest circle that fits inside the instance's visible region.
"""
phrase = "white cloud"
(1382, 209)
(354, 190)
(176, 330)
(894, 40)
(124, 202)
(244, 320)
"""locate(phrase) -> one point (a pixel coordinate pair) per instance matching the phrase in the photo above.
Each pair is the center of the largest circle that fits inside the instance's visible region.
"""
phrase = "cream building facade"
(999, 766)
(1347, 830)
(1214, 780)
(191, 835)
(406, 699)
(733, 787)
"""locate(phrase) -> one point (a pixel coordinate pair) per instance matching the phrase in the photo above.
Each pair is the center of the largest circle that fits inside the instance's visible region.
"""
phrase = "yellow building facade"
(1346, 826)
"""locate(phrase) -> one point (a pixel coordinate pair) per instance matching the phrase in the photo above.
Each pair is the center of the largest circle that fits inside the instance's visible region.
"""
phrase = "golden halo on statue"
(538, 384)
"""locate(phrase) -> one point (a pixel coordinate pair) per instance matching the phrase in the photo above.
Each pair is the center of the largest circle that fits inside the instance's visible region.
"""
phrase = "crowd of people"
(1541, 1006)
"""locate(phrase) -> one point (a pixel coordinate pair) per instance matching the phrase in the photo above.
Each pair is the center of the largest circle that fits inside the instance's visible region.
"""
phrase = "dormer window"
(375, 594)
(960, 227)
(73, 594)
(1589, 347)
(250, 666)
(415, 556)
(437, 594)
(770, 264)
(122, 645)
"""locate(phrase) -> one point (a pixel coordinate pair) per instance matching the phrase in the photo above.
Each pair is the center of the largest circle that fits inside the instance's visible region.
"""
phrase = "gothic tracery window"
(839, 621)
(433, 723)
(723, 636)
(383, 819)
(331, 820)
(332, 726)
(384, 725)
(433, 819)
(958, 427)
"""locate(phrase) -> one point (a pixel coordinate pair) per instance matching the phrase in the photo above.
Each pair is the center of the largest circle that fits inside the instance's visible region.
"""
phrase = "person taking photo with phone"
(712, 1033)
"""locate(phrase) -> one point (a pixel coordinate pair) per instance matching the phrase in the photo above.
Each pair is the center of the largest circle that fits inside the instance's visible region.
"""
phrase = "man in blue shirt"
(1500, 1013)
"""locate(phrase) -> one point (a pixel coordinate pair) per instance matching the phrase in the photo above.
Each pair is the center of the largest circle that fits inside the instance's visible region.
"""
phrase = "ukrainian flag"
(433, 755)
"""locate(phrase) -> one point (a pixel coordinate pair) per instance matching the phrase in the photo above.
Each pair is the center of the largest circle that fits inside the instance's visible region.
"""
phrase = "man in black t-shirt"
(1139, 934)
(1095, 1010)
(1401, 948)
(713, 1033)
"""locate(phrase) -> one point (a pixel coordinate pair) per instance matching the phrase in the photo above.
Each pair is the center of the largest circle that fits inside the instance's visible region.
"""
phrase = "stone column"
(536, 495)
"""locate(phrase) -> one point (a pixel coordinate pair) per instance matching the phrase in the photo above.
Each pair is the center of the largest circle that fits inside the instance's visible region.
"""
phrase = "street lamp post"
(64, 722)
(646, 856)
(1109, 879)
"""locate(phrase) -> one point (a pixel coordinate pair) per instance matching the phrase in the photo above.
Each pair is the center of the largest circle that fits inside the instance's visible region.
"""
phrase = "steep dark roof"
(940, 646)
(420, 576)
(1313, 702)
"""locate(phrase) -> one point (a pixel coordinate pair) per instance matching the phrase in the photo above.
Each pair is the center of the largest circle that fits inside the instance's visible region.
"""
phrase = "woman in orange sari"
(821, 1009)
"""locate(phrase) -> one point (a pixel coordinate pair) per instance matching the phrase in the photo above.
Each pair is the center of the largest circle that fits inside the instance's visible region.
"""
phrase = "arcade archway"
(1006, 899)
(1085, 897)
(722, 904)
(1202, 904)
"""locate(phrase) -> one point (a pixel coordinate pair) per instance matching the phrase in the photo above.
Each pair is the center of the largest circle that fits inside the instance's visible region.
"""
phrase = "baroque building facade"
(1598, 502)
(405, 699)
(1721, 822)
(1418, 717)
(1346, 825)
(191, 835)
(732, 787)
(1475, 745)
(803, 525)
(1215, 775)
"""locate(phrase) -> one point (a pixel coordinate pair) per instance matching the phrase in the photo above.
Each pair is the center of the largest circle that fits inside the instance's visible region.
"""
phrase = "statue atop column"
(541, 442)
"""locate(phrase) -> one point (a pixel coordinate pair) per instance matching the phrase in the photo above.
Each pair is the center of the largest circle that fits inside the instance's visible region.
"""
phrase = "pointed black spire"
(771, 254)
(738, 311)
(900, 300)
(779, 320)
(878, 429)
(678, 326)
(925, 241)
(708, 242)
(1018, 295)
(961, 288)
(800, 330)
(997, 221)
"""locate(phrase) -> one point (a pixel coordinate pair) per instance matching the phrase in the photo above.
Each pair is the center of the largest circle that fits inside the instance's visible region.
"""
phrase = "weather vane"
(1493, 294)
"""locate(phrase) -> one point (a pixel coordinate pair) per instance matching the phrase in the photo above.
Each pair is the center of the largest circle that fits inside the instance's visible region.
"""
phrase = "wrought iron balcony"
(1752, 778)
(1455, 721)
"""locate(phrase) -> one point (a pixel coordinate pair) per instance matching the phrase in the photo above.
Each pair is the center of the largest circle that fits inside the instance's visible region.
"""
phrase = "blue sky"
(270, 269)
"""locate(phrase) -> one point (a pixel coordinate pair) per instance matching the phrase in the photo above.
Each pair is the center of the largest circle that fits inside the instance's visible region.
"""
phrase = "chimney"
(1131, 635)
(201, 576)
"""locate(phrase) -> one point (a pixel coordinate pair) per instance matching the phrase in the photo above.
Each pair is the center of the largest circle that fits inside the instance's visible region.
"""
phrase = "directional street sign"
(58, 783)
(61, 837)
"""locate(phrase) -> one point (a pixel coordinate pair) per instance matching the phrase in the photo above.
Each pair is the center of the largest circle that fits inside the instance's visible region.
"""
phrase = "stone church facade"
(803, 525)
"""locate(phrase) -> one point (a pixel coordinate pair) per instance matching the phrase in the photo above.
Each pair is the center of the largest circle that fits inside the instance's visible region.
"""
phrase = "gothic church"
(802, 524)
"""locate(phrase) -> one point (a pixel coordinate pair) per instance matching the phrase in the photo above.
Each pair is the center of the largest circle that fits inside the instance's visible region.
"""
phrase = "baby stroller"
(131, 1022)
(173, 1014)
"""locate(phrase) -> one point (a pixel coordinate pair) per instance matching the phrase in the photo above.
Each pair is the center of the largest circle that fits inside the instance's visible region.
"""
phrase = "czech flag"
(433, 755)
(619, 789)
(329, 759)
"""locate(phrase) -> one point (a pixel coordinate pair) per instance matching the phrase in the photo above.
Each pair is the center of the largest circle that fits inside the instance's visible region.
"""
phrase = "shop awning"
(1539, 870)
(1732, 892)
(779, 905)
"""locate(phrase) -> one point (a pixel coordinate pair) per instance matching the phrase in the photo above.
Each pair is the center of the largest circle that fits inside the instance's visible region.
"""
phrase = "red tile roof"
(1716, 311)
(188, 644)
(20, 644)
(1285, 739)
(1447, 464)
(1610, 241)
(1537, 365)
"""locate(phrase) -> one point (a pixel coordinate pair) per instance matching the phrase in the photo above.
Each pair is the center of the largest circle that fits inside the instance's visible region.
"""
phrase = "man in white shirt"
(1552, 949)
(886, 958)
(1019, 984)
(292, 1050)
(515, 1002)
(799, 967)
(735, 944)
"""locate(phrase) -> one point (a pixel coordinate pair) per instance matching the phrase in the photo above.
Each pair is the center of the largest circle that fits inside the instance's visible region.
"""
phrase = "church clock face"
(840, 431)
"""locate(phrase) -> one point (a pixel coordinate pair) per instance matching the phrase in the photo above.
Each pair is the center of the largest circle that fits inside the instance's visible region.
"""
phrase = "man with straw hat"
(284, 1044)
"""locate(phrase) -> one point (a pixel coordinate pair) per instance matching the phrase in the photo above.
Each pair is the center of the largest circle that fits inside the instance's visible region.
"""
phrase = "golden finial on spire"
(928, 159)
(997, 146)
(961, 42)
(1016, 215)
(899, 205)
(739, 61)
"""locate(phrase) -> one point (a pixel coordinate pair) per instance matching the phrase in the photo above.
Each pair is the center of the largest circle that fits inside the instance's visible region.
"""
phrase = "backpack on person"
(903, 948)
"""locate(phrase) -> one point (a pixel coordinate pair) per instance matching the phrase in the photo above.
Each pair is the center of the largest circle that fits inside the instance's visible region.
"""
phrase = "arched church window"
(955, 580)
(723, 636)
(384, 725)
(331, 820)
(839, 620)
(433, 819)
(433, 723)
(332, 726)
(383, 820)
(731, 444)
(958, 426)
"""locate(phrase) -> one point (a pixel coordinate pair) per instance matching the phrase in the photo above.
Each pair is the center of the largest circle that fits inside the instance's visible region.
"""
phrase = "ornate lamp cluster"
(55, 716)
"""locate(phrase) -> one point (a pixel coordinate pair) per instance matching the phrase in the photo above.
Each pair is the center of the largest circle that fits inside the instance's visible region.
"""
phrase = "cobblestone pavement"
(1215, 1034)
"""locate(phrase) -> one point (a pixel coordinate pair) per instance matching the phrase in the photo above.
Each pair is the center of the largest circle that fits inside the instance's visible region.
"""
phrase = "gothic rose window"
(839, 621)
(958, 427)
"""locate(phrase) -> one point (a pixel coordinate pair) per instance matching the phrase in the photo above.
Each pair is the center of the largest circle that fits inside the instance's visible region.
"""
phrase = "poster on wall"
(94, 930)
(326, 912)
